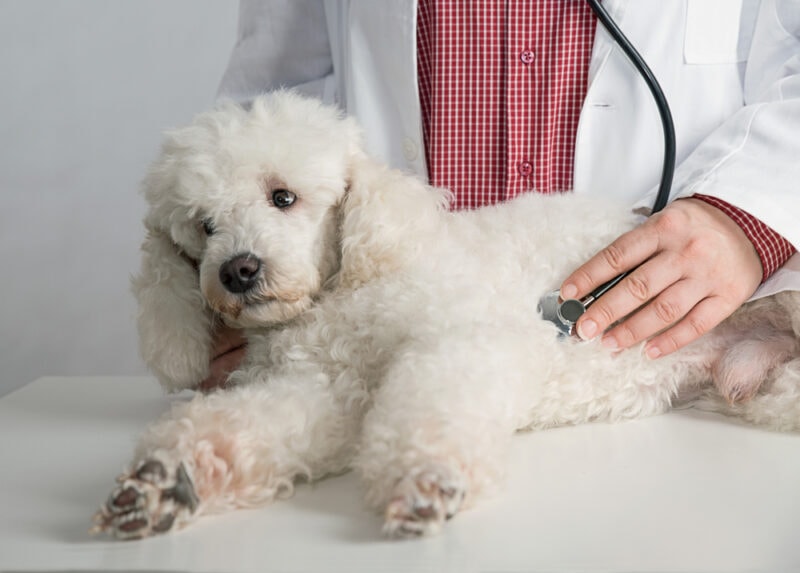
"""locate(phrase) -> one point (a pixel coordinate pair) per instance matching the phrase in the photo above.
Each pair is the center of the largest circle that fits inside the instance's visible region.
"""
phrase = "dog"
(386, 334)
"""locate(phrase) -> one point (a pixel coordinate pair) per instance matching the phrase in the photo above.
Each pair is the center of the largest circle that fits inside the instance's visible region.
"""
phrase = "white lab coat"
(729, 68)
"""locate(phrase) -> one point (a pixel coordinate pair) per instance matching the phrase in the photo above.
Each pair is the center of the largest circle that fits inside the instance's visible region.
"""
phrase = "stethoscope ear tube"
(568, 312)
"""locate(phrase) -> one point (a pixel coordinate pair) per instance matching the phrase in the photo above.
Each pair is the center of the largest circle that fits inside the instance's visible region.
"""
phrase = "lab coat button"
(527, 56)
(410, 149)
(525, 168)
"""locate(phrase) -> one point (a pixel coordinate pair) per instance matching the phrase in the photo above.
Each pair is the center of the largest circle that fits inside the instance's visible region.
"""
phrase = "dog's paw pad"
(148, 501)
(422, 502)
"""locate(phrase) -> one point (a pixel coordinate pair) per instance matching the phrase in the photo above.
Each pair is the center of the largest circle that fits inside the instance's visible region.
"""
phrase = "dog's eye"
(282, 198)
(208, 226)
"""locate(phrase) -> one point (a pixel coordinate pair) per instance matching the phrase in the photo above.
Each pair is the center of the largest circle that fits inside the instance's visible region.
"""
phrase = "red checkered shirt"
(501, 86)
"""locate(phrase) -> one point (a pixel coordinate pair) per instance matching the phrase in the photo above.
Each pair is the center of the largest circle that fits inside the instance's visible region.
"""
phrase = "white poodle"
(386, 334)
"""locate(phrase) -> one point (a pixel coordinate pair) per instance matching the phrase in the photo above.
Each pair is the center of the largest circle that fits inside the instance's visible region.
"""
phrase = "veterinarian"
(496, 98)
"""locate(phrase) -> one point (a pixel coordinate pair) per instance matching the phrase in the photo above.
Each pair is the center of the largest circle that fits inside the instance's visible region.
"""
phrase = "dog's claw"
(149, 501)
(183, 490)
(152, 470)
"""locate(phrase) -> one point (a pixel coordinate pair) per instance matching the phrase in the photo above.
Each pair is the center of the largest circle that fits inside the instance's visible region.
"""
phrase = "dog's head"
(253, 213)
(252, 196)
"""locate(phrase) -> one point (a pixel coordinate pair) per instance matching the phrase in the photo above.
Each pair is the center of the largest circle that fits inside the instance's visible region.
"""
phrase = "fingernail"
(609, 342)
(569, 291)
(653, 352)
(587, 329)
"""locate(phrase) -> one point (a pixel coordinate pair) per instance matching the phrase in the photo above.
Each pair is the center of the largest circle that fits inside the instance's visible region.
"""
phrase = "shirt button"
(525, 168)
(410, 149)
(527, 56)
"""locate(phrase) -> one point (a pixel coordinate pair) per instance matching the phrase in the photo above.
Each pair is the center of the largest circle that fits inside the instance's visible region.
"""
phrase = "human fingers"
(643, 284)
(704, 316)
(720, 257)
(623, 254)
(662, 312)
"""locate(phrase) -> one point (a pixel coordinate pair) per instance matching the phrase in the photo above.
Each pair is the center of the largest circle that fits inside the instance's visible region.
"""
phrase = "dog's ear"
(174, 322)
(388, 217)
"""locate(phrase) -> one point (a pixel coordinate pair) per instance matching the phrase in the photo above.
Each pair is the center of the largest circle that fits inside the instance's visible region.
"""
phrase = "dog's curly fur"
(386, 333)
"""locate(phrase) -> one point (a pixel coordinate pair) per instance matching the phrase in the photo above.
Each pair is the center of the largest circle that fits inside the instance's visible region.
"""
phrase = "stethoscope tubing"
(668, 127)
(664, 112)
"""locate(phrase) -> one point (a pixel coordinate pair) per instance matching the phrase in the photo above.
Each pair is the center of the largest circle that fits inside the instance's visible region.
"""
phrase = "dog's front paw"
(422, 502)
(153, 499)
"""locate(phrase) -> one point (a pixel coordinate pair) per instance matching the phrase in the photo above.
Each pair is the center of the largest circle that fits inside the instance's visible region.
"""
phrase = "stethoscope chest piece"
(565, 313)
(570, 311)
(551, 308)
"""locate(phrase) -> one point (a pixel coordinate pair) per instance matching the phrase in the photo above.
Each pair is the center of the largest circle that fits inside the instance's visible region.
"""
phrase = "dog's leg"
(755, 363)
(777, 406)
(239, 448)
(746, 365)
(437, 435)
(745, 349)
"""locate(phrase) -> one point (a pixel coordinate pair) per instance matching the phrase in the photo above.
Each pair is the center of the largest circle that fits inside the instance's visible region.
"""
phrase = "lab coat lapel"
(603, 42)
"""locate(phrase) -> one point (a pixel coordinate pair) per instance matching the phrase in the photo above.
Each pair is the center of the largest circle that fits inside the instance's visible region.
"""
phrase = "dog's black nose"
(240, 273)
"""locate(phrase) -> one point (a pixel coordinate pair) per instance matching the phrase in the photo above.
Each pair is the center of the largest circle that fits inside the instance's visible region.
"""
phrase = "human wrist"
(773, 249)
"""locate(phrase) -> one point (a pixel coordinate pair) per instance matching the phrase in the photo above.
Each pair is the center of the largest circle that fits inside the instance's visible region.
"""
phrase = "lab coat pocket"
(719, 31)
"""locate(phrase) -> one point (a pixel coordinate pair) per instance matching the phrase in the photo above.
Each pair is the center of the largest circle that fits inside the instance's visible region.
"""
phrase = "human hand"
(697, 268)
(228, 348)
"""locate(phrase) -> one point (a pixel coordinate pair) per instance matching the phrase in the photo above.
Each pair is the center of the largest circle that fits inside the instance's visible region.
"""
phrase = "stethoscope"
(565, 313)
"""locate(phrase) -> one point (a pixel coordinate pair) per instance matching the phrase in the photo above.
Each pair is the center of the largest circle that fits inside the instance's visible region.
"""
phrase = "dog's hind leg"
(746, 364)
(239, 448)
(776, 406)
(438, 432)
(757, 370)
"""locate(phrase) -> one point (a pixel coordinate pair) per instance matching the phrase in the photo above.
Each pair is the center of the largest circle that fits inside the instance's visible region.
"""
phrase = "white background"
(86, 88)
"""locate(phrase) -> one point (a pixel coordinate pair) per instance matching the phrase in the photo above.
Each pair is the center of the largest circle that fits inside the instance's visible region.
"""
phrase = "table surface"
(687, 491)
